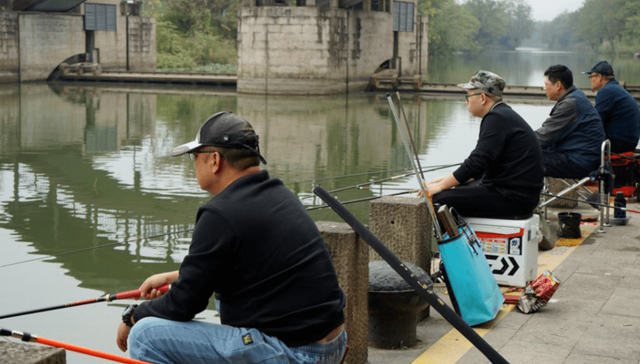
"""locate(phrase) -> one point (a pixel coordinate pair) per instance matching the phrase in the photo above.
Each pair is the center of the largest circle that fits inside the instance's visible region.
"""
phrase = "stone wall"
(142, 44)
(9, 47)
(46, 40)
(313, 50)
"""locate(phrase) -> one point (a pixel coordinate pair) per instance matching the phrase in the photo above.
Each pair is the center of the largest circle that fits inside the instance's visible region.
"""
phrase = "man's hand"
(150, 285)
(123, 336)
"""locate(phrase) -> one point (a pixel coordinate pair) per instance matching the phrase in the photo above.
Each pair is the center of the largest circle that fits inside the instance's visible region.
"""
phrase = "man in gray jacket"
(572, 136)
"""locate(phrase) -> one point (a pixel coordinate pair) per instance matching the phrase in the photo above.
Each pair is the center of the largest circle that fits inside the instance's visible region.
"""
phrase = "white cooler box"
(511, 248)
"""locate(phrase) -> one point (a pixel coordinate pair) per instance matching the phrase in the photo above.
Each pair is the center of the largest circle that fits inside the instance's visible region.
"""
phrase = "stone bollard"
(394, 306)
(19, 353)
(351, 260)
(404, 226)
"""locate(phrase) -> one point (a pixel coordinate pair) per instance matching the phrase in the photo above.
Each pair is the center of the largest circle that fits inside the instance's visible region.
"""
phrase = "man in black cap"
(617, 108)
(506, 162)
(255, 246)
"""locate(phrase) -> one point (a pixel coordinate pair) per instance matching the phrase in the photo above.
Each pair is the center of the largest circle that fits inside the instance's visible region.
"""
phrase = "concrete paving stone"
(610, 341)
(565, 270)
(623, 302)
(571, 309)
(575, 358)
(617, 321)
(551, 330)
(607, 261)
(514, 320)
(588, 286)
(474, 356)
(517, 352)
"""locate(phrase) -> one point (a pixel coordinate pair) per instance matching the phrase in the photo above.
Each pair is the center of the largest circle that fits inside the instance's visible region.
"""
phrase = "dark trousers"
(559, 166)
(483, 201)
(621, 146)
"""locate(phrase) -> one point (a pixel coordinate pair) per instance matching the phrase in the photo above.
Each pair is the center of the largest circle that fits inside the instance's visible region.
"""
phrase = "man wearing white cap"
(506, 163)
(256, 247)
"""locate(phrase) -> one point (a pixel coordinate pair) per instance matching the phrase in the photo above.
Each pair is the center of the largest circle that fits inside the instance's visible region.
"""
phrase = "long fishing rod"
(360, 185)
(592, 203)
(105, 298)
(27, 337)
(413, 144)
(350, 175)
(363, 199)
(423, 187)
(420, 287)
(131, 240)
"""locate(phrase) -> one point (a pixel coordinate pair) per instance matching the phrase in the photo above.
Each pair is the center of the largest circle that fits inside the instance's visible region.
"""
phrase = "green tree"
(520, 23)
(561, 32)
(493, 19)
(602, 20)
(451, 27)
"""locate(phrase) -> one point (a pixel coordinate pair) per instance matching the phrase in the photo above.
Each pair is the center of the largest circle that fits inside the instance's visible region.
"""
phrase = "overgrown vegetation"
(195, 35)
(201, 35)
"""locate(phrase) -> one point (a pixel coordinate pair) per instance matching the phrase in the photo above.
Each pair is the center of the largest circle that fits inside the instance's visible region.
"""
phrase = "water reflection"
(526, 67)
(86, 168)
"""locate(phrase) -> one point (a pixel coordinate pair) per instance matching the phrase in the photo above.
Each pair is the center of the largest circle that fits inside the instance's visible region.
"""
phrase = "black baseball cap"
(223, 129)
(602, 67)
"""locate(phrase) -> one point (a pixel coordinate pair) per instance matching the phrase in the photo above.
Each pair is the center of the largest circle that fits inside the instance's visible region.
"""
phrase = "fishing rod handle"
(136, 293)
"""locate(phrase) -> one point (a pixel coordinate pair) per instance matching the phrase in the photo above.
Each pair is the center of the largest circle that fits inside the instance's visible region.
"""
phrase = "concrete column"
(248, 3)
(404, 226)
(366, 5)
(334, 4)
(20, 353)
(350, 258)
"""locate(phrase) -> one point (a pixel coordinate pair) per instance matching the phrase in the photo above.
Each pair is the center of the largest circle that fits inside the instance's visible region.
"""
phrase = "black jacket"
(258, 249)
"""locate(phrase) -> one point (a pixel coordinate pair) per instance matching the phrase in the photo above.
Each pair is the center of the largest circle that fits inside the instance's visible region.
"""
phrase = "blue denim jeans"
(162, 341)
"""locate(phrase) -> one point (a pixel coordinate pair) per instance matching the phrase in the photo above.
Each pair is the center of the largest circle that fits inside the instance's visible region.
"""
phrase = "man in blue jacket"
(572, 136)
(617, 108)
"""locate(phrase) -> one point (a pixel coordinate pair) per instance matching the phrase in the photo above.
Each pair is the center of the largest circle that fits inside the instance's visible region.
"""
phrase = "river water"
(86, 183)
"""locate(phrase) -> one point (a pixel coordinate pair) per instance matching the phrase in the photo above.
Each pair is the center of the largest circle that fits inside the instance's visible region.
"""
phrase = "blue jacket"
(573, 129)
(619, 113)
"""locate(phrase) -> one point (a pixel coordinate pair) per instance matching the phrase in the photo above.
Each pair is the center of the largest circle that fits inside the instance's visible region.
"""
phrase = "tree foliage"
(477, 24)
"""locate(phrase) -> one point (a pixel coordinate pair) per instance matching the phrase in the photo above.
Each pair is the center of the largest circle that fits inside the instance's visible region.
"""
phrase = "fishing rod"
(363, 199)
(423, 187)
(350, 175)
(420, 287)
(359, 185)
(27, 337)
(131, 240)
(105, 298)
(413, 144)
(592, 203)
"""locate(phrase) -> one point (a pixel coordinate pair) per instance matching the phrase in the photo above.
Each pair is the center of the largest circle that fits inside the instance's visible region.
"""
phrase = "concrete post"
(334, 4)
(366, 5)
(404, 226)
(20, 353)
(350, 258)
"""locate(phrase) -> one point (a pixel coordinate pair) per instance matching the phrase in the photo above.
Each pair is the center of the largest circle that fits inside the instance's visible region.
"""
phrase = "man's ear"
(214, 162)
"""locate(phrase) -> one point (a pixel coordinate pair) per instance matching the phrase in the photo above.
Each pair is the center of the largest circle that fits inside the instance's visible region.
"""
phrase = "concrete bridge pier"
(327, 46)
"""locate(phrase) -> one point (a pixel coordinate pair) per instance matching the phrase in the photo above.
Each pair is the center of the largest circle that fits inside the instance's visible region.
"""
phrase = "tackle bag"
(474, 292)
